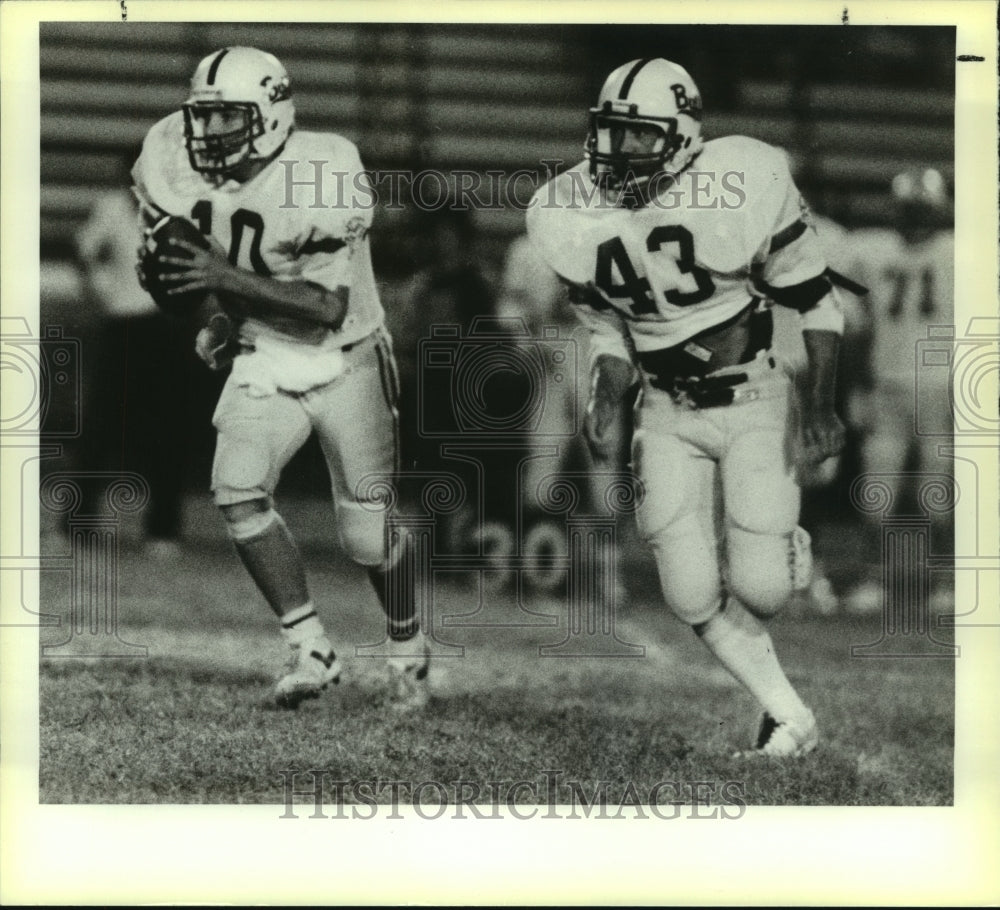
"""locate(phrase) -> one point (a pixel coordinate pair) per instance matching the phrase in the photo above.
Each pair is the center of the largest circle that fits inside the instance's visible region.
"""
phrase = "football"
(161, 240)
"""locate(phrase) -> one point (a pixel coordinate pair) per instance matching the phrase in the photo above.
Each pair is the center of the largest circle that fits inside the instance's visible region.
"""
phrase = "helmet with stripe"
(658, 104)
(240, 109)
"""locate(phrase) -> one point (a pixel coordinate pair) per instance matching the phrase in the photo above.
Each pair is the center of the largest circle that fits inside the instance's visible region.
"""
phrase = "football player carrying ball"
(673, 248)
(286, 214)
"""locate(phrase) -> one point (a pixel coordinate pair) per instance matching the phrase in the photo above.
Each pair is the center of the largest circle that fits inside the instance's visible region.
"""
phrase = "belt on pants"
(690, 379)
(713, 391)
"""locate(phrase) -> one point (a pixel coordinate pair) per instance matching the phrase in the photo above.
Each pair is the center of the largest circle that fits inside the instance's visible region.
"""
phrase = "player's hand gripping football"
(200, 269)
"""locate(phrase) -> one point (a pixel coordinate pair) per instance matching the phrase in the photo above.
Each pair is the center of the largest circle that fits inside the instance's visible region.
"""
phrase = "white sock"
(744, 647)
(301, 625)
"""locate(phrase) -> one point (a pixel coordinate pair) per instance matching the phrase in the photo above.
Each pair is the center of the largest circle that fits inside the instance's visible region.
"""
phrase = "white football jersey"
(529, 289)
(304, 217)
(911, 286)
(684, 262)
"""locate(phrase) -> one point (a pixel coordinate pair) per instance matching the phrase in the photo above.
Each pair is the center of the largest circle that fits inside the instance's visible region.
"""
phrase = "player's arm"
(822, 429)
(251, 295)
(613, 376)
(326, 242)
(792, 272)
(822, 326)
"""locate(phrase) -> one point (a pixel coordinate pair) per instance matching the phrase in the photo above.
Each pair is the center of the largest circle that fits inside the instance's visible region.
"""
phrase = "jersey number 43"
(612, 253)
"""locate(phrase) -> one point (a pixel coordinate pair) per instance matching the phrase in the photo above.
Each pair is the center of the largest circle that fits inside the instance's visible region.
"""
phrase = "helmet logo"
(688, 105)
(278, 91)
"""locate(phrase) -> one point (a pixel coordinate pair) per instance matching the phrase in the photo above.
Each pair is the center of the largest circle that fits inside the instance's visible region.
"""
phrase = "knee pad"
(362, 533)
(688, 563)
(241, 471)
(761, 570)
(248, 520)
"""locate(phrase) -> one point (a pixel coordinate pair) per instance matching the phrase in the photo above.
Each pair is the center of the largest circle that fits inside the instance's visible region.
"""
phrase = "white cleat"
(786, 739)
(312, 666)
(408, 667)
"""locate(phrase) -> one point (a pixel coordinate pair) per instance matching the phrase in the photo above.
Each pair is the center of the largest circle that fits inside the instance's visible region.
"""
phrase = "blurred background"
(853, 106)
(857, 104)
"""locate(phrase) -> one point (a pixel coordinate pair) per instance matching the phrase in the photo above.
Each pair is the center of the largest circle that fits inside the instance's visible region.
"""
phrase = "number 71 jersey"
(690, 258)
(911, 287)
(304, 217)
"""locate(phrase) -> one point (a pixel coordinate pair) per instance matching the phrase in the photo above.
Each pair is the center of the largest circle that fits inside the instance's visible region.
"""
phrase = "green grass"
(193, 722)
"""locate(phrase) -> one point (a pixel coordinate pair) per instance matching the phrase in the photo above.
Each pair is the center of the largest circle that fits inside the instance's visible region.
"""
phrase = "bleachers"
(449, 97)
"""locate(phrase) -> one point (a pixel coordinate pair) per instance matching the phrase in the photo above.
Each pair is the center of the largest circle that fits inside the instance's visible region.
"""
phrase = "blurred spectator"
(449, 288)
(910, 272)
(134, 394)
(532, 293)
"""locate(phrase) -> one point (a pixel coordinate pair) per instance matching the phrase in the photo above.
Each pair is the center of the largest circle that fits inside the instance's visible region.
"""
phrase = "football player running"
(301, 325)
(672, 248)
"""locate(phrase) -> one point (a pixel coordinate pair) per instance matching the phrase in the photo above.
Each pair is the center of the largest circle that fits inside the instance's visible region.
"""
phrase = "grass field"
(192, 722)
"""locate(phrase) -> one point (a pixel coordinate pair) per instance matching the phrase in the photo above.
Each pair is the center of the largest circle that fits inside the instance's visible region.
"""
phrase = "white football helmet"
(921, 187)
(652, 96)
(240, 109)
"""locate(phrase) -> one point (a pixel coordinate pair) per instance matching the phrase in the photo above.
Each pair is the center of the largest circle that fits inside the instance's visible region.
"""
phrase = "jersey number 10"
(240, 220)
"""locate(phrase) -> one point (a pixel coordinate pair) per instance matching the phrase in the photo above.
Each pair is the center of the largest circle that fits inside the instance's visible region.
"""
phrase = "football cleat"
(311, 667)
(407, 668)
(784, 739)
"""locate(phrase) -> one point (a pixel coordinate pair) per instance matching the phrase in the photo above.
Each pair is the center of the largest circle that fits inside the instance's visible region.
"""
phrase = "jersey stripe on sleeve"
(787, 235)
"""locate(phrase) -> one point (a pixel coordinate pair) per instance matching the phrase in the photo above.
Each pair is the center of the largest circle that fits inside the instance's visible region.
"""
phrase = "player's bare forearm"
(254, 295)
(822, 431)
(611, 380)
(822, 350)
(245, 293)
